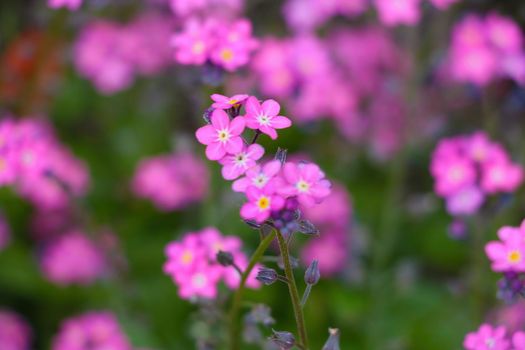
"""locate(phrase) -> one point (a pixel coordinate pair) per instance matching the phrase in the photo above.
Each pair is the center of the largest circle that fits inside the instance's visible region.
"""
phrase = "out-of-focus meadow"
(100, 168)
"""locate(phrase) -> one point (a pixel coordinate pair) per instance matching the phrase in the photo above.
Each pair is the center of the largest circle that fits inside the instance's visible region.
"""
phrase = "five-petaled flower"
(222, 136)
(265, 117)
(261, 202)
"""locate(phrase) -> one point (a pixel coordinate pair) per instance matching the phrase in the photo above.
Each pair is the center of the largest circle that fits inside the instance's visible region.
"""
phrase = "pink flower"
(478, 65)
(194, 43)
(265, 117)
(501, 176)
(258, 176)
(200, 281)
(171, 182)
(15, 333)
(73, 258)
(306, 181)
(518, 340)
(224, 102)
(503, 33)
(509, 253)
(453, 174)
(466, 201)
(393, 12)
(234, 45)
(222, 136)
(235, 165)
(92, 330)
(487, 338)
(261, 202)
(193, 267)
(70, 4)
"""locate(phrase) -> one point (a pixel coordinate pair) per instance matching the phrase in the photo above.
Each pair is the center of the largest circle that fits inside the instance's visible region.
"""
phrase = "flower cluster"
(357, 68)
(193, 265)
(72, 5)
(223, 43)
(467, 168)
(332, 217)
(268, 185)
(37, 165)
(307, 15)
(111, 55)
(15, 334)
(5, 232)
(92, 330)
(73, 258)
(172, 181)
(484, 48)
(217, 8)
(488, 337)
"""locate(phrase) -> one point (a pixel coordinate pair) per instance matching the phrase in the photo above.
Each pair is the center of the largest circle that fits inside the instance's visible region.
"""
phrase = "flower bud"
(333, 340)
(266, 276)
(224, 258)
(284, 340)
(312, 274)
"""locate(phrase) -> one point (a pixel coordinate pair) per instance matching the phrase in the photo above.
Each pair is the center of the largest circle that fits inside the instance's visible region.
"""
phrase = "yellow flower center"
(187, 257)
(263, 203)
(233, 101)
(514, 256)
(227, 55)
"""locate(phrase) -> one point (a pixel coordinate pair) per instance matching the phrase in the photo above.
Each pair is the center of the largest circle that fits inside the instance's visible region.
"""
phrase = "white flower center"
(223, 135)
(240, 160)
(199, 280)
(263, 119)
(260, 180)
(490, 342)
(302, 186)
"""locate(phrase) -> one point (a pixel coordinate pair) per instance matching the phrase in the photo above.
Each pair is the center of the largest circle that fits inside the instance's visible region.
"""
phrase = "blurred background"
(371, 86)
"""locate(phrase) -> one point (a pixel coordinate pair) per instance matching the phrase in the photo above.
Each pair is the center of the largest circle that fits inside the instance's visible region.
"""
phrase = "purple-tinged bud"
(207, 115)
(281, 155)
(261, 314)
(284, 340)
(224, 258)
(307, 228)
(294, 262)
(267, 276)
(253, 224)
(312, 274)
(333, 340)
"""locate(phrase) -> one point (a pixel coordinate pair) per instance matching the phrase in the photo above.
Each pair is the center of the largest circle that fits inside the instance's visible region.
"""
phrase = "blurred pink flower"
(15, 333)
(518, 340)
(443, 4)
(466, 201)
(95, 329)
(393, 12)
(487, 338)
(222, 136)
(70, 4)
(334, 211)
(73, 259)
(193, 267)
(171, 182)
(331, 251)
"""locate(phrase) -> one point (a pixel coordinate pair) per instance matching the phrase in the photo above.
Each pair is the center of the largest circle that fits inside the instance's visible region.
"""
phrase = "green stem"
(294, 294)
(235, 326)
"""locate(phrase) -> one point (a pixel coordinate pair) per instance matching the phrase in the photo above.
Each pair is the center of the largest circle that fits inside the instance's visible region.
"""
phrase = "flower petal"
(220, 119)
(206, 134)
(281, 122)
(252, 106)
(215, 151)
(237, 126)
(271, 108)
